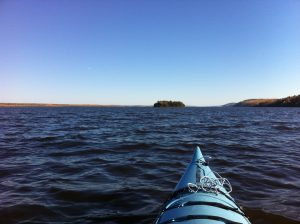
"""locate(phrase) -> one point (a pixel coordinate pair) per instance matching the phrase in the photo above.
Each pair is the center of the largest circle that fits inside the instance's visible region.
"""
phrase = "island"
(165, 103)
(290, 101)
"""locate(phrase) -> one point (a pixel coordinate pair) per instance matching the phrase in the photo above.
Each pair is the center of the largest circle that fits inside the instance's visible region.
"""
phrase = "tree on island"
(165, 103)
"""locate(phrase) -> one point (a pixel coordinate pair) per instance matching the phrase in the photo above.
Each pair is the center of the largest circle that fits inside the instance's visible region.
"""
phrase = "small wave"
(242, 147)
(64, 144)
(6, 172)
(187, 146)
(117, 198)
(262, 217)
(80, 152)
(84, 128)
(78, 136)
(249, 167)
(125, 219)
(69, 169)
(221, 162)
(283, 127)
(44, 139)
(239, 126)
(141, 131)
(25, 212)
(135, 146)
(216, 127)
(24, 189)
(123, 170)
(81, 196)
(167, 131)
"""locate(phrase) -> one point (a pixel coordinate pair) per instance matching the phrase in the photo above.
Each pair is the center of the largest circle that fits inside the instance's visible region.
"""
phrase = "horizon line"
(82, 105)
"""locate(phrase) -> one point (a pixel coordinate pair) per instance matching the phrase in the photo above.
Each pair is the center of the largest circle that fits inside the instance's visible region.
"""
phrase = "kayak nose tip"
(197, 154)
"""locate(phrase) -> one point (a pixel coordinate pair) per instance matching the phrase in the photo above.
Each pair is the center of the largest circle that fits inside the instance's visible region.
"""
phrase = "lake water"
(118, 165)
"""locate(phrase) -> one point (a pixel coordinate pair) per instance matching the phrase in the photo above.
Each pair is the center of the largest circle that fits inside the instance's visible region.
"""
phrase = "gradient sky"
(202, 52)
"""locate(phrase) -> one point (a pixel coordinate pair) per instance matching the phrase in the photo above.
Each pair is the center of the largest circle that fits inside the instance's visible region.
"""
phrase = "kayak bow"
(201, 197)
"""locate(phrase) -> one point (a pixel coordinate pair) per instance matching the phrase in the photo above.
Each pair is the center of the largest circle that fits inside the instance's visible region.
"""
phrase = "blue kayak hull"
(195, 203)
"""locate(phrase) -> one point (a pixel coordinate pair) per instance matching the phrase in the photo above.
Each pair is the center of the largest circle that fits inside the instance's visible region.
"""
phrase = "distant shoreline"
(62, 105)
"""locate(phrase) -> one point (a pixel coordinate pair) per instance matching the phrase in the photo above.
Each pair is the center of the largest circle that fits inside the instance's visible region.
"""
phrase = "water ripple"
(118, 165)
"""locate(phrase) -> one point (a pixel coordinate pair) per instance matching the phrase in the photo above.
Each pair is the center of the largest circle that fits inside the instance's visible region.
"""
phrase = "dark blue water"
(118, 165)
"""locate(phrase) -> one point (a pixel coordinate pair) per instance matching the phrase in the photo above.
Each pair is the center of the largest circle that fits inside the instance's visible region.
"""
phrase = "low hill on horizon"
(290, 101)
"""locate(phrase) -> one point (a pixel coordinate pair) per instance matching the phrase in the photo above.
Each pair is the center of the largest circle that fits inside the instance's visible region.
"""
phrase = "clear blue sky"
(203, 52)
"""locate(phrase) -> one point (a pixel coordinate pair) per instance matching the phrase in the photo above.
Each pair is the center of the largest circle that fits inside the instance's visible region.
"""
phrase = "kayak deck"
(200, 197)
